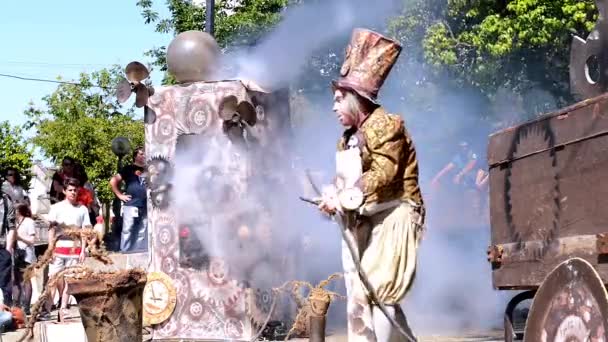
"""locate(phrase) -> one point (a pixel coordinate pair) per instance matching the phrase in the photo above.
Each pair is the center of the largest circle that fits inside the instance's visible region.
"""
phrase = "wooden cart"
(549, 207)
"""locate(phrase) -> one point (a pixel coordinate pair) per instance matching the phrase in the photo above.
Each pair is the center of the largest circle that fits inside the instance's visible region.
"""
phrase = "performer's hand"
(458, 178)
(329, 200)
(327, 206)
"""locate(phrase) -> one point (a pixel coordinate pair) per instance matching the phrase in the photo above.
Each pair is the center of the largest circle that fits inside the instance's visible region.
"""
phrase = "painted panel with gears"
(211, 149)
(216, 170)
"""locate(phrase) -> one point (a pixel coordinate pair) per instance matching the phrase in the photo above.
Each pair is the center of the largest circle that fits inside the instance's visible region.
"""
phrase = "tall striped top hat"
(369, 59)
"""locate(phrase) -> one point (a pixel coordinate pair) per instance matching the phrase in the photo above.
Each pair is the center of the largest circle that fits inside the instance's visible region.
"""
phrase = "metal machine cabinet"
(212, 304)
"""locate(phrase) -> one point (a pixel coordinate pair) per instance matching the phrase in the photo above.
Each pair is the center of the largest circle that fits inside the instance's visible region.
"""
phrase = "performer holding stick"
(376, 193)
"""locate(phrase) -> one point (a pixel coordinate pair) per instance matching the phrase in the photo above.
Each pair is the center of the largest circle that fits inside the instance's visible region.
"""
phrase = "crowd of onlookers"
(461, 186)
(74, 203)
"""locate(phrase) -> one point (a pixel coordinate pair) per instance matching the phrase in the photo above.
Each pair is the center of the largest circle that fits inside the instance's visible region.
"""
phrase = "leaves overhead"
(236, 22)
(521, 44)
(15, 152)
(81, 120)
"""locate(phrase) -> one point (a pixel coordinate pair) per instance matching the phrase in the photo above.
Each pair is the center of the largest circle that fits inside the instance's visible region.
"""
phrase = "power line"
(48, 81)
(53, 64)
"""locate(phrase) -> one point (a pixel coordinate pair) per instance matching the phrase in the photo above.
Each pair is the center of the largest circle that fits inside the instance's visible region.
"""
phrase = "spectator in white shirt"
(67, 253)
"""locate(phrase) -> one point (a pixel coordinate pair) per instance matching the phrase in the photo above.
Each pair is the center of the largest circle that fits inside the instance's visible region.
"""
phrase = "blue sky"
(46, 39)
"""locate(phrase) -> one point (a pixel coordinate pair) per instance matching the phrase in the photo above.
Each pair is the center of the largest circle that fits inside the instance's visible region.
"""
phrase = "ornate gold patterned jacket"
(390, 167)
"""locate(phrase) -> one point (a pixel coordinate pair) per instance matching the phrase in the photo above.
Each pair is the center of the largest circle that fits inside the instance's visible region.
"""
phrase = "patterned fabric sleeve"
(385, 140)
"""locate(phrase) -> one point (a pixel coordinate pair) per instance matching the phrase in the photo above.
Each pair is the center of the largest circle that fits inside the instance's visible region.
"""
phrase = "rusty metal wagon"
(547, 199)
(549, 213)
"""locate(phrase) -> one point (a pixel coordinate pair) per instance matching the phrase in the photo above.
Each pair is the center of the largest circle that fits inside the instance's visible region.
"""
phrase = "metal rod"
(210, 18)
(317, 328)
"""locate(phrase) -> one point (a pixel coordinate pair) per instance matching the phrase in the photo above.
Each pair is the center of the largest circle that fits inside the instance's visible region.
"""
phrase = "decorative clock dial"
(351, 198)
(159, 298)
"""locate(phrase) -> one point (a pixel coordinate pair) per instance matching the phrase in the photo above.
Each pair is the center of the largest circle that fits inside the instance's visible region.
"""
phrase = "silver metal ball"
(192, 56)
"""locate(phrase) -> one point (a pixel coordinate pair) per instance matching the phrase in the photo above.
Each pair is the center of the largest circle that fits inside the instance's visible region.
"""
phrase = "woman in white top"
(21, 246)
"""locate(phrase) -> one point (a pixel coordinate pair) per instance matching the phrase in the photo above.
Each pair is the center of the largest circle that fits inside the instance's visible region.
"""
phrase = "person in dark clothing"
(67, 171)
(134, 235)
(7, 214)
(6, 268)
(13, 187)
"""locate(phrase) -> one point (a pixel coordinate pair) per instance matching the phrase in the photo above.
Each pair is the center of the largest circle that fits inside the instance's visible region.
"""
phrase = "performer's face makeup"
(342, 110)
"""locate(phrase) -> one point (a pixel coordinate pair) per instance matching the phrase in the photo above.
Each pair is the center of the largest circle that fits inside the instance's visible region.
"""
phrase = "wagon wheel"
(570, 305)
(510, 334)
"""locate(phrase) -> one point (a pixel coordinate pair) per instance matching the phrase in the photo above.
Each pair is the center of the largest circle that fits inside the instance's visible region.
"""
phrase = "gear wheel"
(224, 296)
(259, 305)
(195, 308)
(217, 271)
(534, 211)
(168, 265)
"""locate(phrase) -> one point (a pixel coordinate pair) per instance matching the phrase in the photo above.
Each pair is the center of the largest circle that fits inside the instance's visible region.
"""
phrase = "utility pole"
(210, 18)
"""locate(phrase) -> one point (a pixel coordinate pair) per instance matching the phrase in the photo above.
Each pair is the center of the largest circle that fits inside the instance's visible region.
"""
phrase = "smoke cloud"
(453, 289)
(279, 58)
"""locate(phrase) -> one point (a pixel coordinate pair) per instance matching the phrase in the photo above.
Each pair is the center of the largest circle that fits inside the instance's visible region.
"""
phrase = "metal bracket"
(495, 255)
(601, 243)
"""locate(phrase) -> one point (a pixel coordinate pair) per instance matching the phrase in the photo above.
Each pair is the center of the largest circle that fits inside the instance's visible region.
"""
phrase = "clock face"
(351, 198)
(159, 298)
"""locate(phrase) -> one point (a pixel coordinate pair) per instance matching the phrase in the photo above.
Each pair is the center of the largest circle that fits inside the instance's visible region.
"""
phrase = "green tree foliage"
(520, 44)
(14, 151)
(236, 22)
(81, 120)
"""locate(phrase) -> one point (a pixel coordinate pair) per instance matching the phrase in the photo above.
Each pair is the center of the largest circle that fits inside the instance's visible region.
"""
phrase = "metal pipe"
(317, 328)
(210, 18)
(319, 301)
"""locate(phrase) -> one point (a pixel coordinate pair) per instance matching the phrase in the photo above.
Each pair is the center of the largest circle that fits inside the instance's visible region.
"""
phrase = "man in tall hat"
(376, 192)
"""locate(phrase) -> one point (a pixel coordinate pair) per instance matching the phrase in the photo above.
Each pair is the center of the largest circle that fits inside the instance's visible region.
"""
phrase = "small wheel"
(510, 334)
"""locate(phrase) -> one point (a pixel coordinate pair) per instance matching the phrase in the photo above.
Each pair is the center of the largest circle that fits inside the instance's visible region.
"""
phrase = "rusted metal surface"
(547, 192)
(317, 328)
(110, 305)
(602, 243)
(570, 305)
(495, 255)
(319, 304)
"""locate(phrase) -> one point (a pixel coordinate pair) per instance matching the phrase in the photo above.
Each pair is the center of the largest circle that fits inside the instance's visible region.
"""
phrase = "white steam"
(452, 290)
(278, 59)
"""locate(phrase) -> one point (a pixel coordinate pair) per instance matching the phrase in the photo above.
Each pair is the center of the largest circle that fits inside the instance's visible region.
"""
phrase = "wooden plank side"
(586, 118)
(551, 195)
(530, 275)
(526, 265)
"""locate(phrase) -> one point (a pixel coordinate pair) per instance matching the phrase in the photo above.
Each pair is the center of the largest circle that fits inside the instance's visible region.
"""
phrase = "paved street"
(74, 333)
